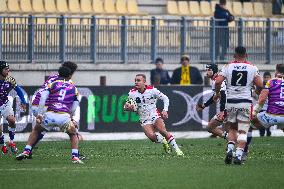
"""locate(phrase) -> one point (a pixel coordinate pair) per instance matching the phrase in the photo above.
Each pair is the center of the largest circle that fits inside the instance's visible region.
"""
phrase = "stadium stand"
(62, 6)
(38, 6)
(50, 7)
(13, 6)
(194, 8)
(86, 7)
(109, 7)
(183, 9)
(237, 8)
(205, 8)
(98, 7)
(74, 7)
(26, 6)
(172, 8)
(3, 7)
(258, 9)
(121, 7)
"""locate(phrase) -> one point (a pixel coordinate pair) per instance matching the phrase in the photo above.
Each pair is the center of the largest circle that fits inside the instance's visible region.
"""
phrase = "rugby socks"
(159, 139)
(249, 138)
(230, 146)
(239, 153)
(27, 149)
(171, 140)
(75, 153)
(11, 133)
(1, 138)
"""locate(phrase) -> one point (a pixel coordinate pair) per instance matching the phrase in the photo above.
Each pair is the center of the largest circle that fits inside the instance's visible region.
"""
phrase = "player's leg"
(232, 138)
(213, 128)
(2, 142)
(160, 126)
(246, 149)
(79, 136)
(31, 140)
(11, 128)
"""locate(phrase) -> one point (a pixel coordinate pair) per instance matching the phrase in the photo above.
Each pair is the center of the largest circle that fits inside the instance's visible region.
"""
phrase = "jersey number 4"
(239, 78)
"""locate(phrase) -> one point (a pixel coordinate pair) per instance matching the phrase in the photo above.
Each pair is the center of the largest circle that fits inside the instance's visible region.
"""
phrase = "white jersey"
(223, 85)
(239, 76)
(146, 101)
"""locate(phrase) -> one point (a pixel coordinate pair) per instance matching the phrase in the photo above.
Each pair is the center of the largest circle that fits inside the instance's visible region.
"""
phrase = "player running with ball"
(145, 98)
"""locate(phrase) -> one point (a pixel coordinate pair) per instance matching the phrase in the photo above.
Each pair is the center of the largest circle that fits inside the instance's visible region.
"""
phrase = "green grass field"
(142, 164)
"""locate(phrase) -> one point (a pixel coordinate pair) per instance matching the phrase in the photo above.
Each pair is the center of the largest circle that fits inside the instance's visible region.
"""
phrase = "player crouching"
(143, 99)
(64, 95)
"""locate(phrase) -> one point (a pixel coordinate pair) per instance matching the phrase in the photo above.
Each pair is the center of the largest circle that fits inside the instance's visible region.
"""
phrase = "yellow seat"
(183, 8)
(172, 7)
(121, 7)
(98, 7)
(61, 6)
(205, 8)
(38, 6)
(229, 6)
(13, 6)
(109, 7)
(74, 6)
(268, 9)
(50, 6)
(194, 8)
(52, 21)
(132, 8)
(3, 7)
(86, 6)
(248, 9)
(26, 6)
(237, 8)
(258, 9)
(213, 5)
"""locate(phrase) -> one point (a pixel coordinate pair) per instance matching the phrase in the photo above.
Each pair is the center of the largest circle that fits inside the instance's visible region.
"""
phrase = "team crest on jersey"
(10, 80)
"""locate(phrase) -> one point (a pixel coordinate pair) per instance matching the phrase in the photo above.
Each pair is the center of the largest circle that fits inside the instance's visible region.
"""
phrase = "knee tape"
(242, 137)
(243, 127)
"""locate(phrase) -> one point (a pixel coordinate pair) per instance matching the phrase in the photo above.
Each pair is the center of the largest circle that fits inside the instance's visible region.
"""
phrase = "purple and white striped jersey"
(5, 87)
(62, 94)
(276, 96)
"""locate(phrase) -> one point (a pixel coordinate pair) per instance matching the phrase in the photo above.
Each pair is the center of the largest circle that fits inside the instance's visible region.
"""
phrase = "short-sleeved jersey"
(239, 77)
(5, 87)
(42, 88)
(276, 96)
(62, 94)
(147, 100)
(213, 81)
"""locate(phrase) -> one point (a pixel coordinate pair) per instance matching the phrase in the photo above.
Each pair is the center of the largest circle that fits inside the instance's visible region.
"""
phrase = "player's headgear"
(64, 71)
(213, 67)
(3, 65)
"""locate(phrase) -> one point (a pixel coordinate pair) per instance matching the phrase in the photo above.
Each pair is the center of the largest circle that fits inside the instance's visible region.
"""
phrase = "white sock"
(173, 143)
(230, 146)
(239, 153)
(159, 139)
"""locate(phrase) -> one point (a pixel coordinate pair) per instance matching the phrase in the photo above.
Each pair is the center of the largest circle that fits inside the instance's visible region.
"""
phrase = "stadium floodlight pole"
(268, 41)
(212, 40)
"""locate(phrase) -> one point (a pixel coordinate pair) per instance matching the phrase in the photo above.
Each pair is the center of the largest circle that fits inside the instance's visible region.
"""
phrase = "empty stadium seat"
(74, 6)
(172, 7)
(213, 5)
(248, 9)
(109, 7)
(268, 9)
(205, 8)
(183, 8)
(38, 6)
(258, 9)
(98, 7)
(26, 6)
(194, 8)
(86, 6)
(50, 6)
(62, 6)
(121, 7)
(13, 6)
(133, 9)
(229, 6)
(3, 7)
(237, 8)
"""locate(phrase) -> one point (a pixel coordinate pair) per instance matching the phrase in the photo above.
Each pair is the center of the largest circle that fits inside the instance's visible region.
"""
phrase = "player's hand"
(221, 116)
(39, 119)
(165, 114)
(128, 107)
(216, 97)
(199, 107)
(23, 107)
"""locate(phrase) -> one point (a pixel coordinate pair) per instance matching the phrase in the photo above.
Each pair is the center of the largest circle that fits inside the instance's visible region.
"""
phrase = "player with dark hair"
(218, 119)
(150, 118)
(240, 76)
(7, 83)
(63, 97)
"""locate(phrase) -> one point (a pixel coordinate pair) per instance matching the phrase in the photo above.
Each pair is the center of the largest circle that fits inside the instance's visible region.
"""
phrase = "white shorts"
(53, 119)
(34, 109)
(240, 112)
(150, 119)
(268, 120)
(6, 110)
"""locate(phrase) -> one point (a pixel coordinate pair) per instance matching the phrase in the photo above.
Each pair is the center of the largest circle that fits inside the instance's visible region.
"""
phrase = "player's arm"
(20, 93)
(262, 98)
(127, 106)
(258, 82)
(218, 83)
(200, 107)
(75, 102)
(166, 101)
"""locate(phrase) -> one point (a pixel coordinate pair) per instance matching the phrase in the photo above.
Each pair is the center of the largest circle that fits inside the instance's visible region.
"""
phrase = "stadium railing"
(134, 39)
